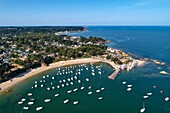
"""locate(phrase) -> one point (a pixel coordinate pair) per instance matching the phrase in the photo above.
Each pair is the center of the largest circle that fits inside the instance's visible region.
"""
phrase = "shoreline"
(5, 86)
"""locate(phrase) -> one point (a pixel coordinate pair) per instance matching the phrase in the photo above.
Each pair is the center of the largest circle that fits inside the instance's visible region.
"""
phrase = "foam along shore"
(10, 83)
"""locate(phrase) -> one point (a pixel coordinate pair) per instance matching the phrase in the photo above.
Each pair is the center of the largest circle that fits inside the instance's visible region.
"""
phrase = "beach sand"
(5, 86)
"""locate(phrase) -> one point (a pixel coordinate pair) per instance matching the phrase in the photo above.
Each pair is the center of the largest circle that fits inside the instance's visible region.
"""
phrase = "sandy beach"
(5, 86)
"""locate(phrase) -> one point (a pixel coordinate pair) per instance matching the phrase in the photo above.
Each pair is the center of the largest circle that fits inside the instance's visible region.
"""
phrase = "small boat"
(89, 93)
(93, 74)
(142, 109)
(75, 89)
(71, 83)
(39, 108)
(145, 97)
(82, 88)
(56, 95)
(97, 91)
(75, 102)
(29, 94)
(30, 103)
(90, 87)
(100, 72)
(102, 88)
(60, 81)
(67, 84)
(23, 99)
(100, 98)
(79, 81)
(42, 85)
(69, 91)
(149, 93)
(20, 102)
(166, 98)
(129, 89)
(47, 75)
(47, 100)
(87, 79)
(68, 79)
(129, 85)
(64, 80)
(53, 78)
(48, 88)
(53, 87)
(62, 85)
(124, 82)
(25, 108)
(66, 101)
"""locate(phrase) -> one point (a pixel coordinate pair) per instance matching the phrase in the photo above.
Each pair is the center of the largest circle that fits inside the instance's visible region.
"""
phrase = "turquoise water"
(151, 42)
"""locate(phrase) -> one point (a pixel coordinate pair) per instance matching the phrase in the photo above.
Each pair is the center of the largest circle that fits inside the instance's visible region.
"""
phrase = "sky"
(84, 12)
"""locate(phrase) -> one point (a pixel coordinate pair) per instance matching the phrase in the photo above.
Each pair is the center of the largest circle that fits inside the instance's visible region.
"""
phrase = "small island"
(25, 50)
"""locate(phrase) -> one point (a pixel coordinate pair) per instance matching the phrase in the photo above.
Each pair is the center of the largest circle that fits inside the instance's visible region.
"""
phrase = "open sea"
(87, 87)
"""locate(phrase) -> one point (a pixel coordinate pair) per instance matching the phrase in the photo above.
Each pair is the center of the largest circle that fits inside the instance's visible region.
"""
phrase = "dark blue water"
(145, 41)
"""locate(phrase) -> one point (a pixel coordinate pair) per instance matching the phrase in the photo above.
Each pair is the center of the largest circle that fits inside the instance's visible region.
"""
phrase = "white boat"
(42, 85)
(30, 103)
(142, 109)
(64, 80)
(39, 108)
(129, 89)
(75, 89)
(89, 93)
(25, 108)
(53, 87)
(102, 88)
(75, 102)
(100, 98)
(97, 91)
(53, 78)
(71, 83)
(87, 79)
(60, 81)
(82, 87)
(58, 86)
(47, 75)
(71, 78)
(145, 96)
(66, 101)
(129, 85)
(20, 102)
(68, 79)
(149, 93)
(100, 72)
(35, 82)
(69, 91)
(23, 99)
(75, 77)
(56, 95)
(47, 100)
(124, 82)
(35, 85)
(62, 85)
(67, 84)
(79, 81)
(29, 94)
(48, 88)
(93, 74)
(166, 98)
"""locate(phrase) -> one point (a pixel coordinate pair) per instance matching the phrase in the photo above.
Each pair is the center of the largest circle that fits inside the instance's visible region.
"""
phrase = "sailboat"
(143, 109)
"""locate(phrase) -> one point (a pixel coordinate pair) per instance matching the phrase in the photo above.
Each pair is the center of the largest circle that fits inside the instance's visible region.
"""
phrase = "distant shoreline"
(5, 86)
